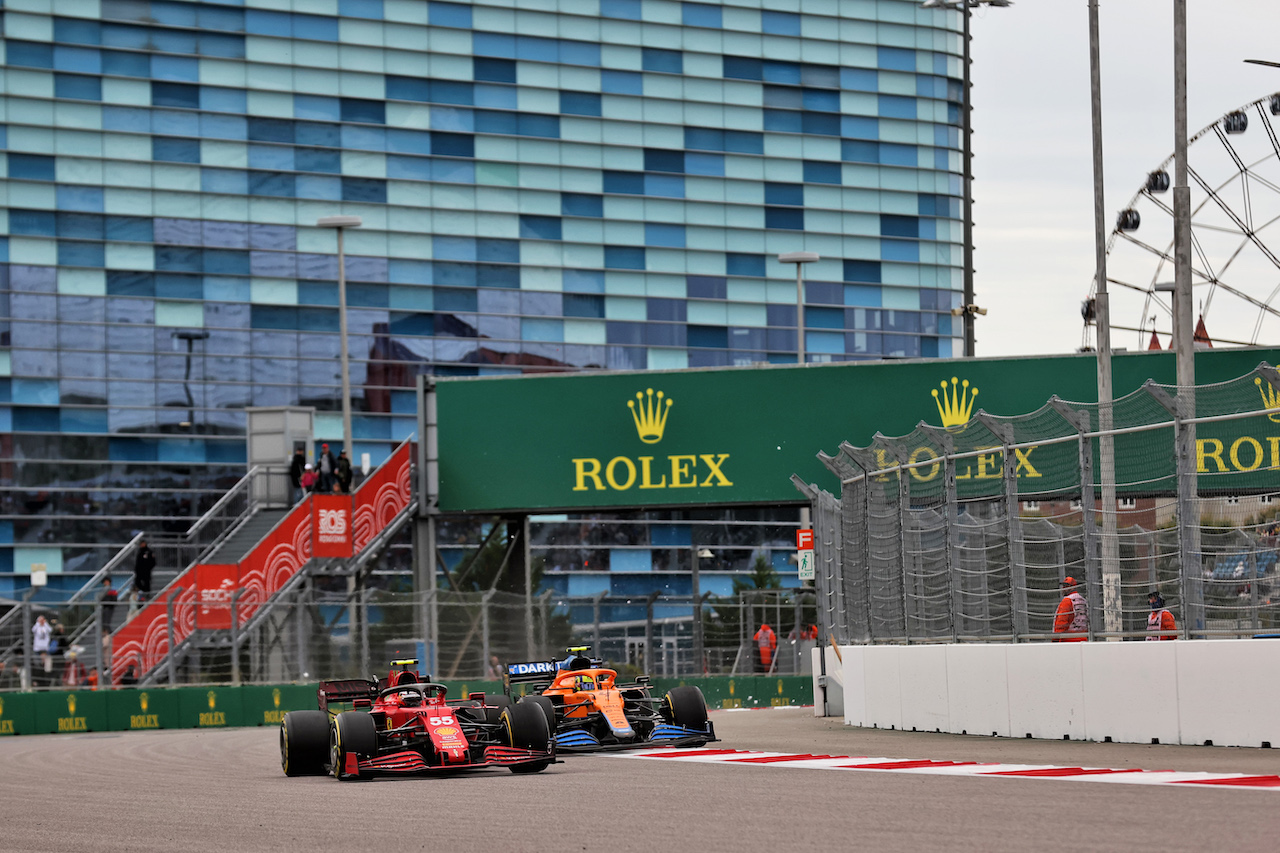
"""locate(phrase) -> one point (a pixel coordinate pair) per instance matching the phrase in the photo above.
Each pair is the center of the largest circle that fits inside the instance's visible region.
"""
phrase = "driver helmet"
(410, 698)
(584, 682)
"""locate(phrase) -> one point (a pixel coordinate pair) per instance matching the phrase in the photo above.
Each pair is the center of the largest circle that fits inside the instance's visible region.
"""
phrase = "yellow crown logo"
(956, 407)
(71, 705)
(650, 415)
(275, 696)
(1270, 399)
(1, 707)
(213, 700)
(143, 701)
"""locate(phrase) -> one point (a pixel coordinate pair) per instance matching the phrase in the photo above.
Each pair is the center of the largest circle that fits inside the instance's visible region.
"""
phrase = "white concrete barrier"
(1186, 691)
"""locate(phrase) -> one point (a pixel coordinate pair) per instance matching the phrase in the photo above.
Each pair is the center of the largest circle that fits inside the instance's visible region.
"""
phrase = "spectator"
(309, 478)
(92, 681)
(1160, 624)
(344, 474)
(326, 465)
(41, 639)
(109, 599)
(1073, 613)
(142, 566)
(496, 671)
(74, 674)
(58, 640)
(766, 645)
(130, 676)
(297, 466)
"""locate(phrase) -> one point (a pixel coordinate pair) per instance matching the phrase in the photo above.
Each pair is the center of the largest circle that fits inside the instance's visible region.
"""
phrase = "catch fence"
(965, 532)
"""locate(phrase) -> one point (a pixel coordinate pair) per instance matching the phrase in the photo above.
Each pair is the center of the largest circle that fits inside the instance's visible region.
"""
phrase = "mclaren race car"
(588, 710)
(404, 724)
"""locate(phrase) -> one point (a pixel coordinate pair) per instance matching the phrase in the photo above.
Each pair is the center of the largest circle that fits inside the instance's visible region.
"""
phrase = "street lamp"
(799, 259)
(966, 134)
(700, 554)
(341, 223)
(190, 337)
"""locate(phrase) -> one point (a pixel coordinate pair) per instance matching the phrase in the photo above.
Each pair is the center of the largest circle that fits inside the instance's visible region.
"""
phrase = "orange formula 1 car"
(404, 724)
(588, 710)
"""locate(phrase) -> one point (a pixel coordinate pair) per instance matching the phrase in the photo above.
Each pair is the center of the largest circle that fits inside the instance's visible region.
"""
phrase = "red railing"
(142, 643)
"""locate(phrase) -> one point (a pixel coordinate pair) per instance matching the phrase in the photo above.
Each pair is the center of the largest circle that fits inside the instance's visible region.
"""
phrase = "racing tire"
(686, 707)
(547, 707)
(495, 706)
(304, 743)
(525, 727)
(352, 731)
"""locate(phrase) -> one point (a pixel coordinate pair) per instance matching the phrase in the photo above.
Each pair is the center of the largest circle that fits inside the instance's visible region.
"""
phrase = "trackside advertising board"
(735, 435)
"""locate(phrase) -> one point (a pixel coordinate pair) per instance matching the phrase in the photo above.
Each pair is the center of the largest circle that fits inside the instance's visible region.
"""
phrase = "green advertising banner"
(17, 714)
(211, 707)
(139, 710)
(68, 711)
(266, 706)
(736, 435)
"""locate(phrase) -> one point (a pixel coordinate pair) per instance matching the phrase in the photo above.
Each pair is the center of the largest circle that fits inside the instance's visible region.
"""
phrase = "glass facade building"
(543, 184)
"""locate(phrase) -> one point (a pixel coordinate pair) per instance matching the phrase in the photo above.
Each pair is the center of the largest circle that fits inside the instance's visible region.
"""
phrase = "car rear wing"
(532, 672)
(349, 690)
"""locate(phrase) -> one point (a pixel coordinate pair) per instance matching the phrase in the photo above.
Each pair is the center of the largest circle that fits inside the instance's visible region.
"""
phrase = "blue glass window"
(223, 100)
(495, 95)
(581, 204)
(130, 283)
(498, 251)
(704, 164)
(583, 305)
(780, 23)
(629, 9)
(175, 150)
(670, 186)
(317, 160)
(181, 68)
(224, 181)
(78, 30)
(364, 189)
(857, 151)
(537, 49)
(28, 53)
(660, 59)
(701, 15)
(270, 130)
(899, 226)
(359, 109)
(709, 337)
(226, 262)
(82, 226)
(706, 287)
(215, 18)
(826, 76)
(778, 71)
(631, 183)
(790, 218)
(221, 45)
(714, 139)
(134, 229)
(85, 60)
(31, 167)
(784, 121)
(900, 250)
(494, 70)
(531, 124)
(316, 27)
(617, 332)
(580, 103)
(171, 14)
(494, 44)
(624, 257)
(743, 68)
(784, 97)
(408, 141)
(278, 157)
(271, 184)
(118, 62)
(741, 263)
(540, 227)
(664, 234)
(35, 223)
(896, 58)
(449, 15)
(817, 172)
(407, 168)
(77, 86)
(859, 79)
(581, 281)
(497, 121)
(819, 99)
(622, 82)
(223, 127)
(662, 160)
(895, 154)
(775, 193)
(896, 106)
(579, 53)
(452, 92)
(74, 253)
(360, 8)
(868, 271)
(318, 133)
(823, 318)
(826, 124)
(405, 89)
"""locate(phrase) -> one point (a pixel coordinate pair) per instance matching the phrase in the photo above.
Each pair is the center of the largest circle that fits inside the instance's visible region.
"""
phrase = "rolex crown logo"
(1, 707)
(213, 700)
(143, 701)
(955, 403)
(649, 411)
(71, 705)
(275, 697)
(1270, 398)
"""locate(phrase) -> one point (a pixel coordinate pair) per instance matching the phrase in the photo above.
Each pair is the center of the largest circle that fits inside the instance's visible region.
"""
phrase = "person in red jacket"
(1073, 613)
(766, 643)
(1160, 624)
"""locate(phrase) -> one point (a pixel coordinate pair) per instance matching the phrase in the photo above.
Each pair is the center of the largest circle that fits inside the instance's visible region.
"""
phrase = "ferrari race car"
(588, 710)
(404, 724)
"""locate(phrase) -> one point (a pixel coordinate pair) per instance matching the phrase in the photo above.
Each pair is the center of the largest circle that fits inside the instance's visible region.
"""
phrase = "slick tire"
(304, 743)
(495, 706)
(352, 731)
(547, 707)
(525, 726)
(685, 706)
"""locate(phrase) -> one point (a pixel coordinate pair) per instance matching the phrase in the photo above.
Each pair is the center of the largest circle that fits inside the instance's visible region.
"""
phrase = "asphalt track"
(223, 790)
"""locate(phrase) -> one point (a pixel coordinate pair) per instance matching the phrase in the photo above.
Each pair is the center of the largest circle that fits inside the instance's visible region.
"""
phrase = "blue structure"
(587, 184)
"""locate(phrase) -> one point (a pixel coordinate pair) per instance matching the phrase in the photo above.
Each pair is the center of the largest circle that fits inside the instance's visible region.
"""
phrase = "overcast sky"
(1033, 207)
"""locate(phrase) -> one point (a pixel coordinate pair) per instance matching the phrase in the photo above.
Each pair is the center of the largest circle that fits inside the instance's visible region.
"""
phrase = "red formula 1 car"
(404, 724)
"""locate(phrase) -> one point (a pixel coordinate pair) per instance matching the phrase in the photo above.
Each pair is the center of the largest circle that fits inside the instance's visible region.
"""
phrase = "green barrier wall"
(65, 712)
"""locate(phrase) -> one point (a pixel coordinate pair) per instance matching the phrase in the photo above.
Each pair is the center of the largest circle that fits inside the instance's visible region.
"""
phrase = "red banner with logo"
(214, 587)
(331, 526)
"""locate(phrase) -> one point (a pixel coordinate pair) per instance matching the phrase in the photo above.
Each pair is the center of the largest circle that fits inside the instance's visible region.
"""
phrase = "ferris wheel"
(1234, 179)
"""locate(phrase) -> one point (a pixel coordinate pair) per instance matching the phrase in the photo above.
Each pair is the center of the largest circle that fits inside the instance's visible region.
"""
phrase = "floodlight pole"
(799, 259)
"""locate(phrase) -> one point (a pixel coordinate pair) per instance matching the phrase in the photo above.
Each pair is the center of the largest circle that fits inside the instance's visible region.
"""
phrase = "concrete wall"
(1186, 691)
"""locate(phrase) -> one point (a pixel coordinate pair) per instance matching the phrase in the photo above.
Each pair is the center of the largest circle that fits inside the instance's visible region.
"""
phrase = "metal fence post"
(1017, 550)
(950, 514)
(28, 681)
(172, 655)
(235, 636)
(484, 628)
(1092, 544)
